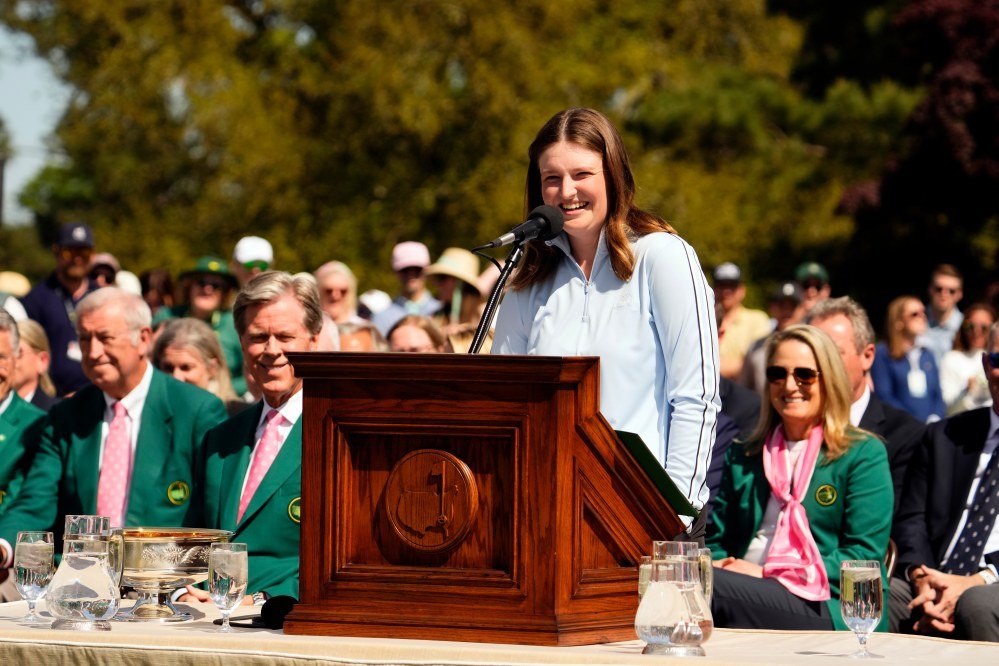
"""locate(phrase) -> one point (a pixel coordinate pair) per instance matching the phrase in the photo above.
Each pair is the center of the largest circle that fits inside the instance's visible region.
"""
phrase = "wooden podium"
(469, 498)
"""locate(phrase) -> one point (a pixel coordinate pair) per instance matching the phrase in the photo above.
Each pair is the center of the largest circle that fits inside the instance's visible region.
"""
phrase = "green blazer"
(64, 474)
(270, 527)
(20, 426)
(849, 506)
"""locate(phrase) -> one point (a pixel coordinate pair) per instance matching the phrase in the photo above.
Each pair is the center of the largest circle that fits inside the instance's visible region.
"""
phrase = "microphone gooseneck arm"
(486, 321)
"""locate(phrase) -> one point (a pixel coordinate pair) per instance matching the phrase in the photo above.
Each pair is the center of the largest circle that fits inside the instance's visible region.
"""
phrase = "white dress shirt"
(760, 545)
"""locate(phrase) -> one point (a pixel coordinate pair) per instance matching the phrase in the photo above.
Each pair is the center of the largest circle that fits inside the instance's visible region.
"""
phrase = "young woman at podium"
(617, 283)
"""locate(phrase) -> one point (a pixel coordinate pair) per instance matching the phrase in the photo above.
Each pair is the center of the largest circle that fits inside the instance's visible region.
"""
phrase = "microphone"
(544, 222)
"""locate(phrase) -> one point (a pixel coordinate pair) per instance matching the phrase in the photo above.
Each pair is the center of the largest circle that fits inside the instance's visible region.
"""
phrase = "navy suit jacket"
(936, 487)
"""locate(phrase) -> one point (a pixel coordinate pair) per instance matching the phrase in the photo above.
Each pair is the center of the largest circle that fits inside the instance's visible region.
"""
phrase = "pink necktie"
(267, 450)
(114, 468)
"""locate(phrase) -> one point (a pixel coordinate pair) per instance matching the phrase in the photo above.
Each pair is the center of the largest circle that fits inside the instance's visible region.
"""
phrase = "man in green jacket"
(20, 422)
(252, 481)
(125, 447)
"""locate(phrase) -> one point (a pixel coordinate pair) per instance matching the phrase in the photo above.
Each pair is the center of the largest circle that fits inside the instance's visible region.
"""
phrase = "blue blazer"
(891, 384)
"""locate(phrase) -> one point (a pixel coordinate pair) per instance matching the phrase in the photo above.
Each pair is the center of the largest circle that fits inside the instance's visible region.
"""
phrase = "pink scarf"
(794, 559)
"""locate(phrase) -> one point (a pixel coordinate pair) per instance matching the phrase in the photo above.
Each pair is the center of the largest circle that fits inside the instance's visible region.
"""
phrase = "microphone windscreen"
(554, 217)
(276, 609)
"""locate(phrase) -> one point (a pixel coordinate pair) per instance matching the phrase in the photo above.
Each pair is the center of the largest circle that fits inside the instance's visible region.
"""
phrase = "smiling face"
(572, 180)
(114, 358)
(272, 329)
(207, 294)
(798, 405)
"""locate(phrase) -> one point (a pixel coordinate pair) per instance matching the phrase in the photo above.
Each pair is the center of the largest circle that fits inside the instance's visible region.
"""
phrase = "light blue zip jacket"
(656, 338)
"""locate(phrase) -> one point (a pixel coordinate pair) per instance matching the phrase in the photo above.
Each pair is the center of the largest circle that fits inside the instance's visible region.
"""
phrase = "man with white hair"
(124, 447)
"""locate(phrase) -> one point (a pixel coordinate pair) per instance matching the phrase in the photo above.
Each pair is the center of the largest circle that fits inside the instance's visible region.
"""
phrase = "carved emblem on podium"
(431, 500)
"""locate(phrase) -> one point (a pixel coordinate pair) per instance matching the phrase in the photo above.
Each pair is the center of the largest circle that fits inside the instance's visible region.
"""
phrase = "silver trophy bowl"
(155, 561)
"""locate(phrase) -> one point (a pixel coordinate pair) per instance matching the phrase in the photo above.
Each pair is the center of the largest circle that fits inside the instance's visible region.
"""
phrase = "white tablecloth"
(196, 642)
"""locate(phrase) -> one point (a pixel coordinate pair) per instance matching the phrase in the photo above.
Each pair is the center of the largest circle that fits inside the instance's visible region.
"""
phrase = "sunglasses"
(802, 376)
(258, 264)
(975, 326)
(993, 358)
(214, 283)
(937, 289)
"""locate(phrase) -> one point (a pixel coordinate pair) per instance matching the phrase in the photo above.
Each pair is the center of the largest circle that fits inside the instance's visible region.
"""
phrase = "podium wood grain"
(395, 545)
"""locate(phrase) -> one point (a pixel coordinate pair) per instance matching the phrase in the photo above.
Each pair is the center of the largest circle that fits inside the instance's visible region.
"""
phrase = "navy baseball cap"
(75, 234)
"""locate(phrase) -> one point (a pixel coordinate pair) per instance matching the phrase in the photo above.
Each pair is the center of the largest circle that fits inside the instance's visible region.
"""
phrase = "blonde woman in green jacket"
(804, 493)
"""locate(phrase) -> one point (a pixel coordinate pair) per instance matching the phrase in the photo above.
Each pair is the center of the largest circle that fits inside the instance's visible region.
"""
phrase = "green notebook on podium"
(641, 453)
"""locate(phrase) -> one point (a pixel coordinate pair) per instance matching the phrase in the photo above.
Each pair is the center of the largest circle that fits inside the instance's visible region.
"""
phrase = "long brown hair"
(592, 130)
(961, 341)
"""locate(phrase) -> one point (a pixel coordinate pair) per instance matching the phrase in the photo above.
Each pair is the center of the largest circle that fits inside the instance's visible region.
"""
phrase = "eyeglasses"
(975, 326)
(938, 289)
(259, 264)
(802, 376)
(993, 358)
(213, 282)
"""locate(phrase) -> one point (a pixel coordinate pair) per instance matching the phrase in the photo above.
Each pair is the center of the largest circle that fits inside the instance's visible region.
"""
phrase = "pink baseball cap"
(410, 254)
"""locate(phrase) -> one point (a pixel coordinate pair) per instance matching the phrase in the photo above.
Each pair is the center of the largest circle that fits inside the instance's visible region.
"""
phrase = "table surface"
(196, 642)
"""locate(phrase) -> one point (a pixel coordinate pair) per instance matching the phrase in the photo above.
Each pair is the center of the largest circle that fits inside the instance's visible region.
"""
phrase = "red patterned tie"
(114, 468)
(267, 450)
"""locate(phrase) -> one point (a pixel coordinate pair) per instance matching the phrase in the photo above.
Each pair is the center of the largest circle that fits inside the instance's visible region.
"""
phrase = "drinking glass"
(33, 569)
(644, 575)
(227, 578)
(706, 572)
(861, 600)
(673, 618)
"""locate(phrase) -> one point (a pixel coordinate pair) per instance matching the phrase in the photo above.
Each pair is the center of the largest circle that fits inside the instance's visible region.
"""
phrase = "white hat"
(375, 300)
(127, 281)
(253, 248)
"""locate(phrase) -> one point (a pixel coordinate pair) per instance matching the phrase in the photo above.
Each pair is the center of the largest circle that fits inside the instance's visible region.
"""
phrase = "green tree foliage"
(337, 127)
(938, 199)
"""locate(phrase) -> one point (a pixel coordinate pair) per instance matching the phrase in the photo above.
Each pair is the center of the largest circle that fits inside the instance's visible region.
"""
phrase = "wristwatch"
(259, 598)
(989, 576)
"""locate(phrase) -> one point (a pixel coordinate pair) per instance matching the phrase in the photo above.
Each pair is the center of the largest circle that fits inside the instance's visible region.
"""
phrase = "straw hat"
(14, 283)
(457, 263)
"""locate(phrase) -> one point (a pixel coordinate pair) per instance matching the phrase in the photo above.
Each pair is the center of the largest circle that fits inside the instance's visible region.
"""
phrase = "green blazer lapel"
(153, 447)
(84, 455)
(13, 418)
(288, 462)
(10, 424)
(234, 469)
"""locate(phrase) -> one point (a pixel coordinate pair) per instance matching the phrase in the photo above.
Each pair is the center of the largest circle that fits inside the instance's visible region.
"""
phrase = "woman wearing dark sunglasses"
(905, 373)
(962, 378)
(206, 291)
(806, 491)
